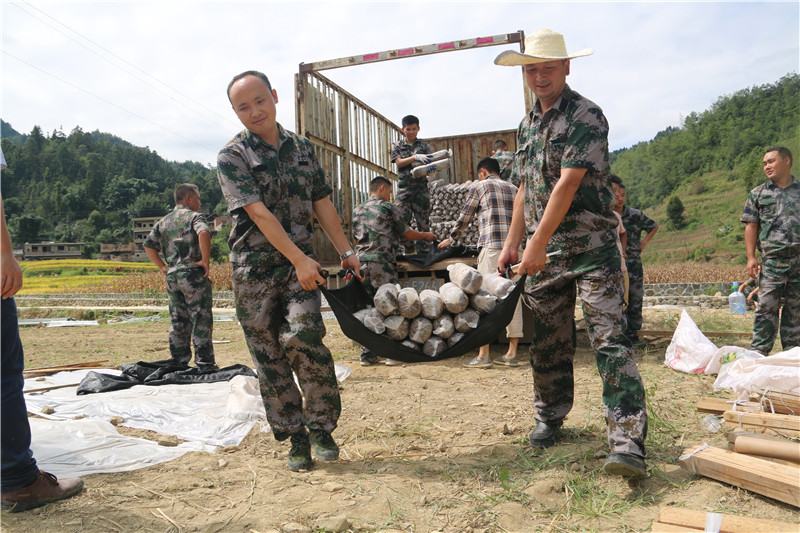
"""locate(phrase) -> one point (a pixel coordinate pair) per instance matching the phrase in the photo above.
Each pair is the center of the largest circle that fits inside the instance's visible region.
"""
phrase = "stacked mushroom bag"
(431, 321)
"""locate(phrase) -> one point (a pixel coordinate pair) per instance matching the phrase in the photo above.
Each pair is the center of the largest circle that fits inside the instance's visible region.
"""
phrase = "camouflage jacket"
(635, 222)
(401, 149)
(378, 227)
(175, 238)
(572, 134)
(506, 160)
(287, 180)
(777, 212)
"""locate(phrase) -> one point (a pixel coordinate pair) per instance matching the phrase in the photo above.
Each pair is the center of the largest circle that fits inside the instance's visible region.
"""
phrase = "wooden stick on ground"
(59, 367)
(54, 387)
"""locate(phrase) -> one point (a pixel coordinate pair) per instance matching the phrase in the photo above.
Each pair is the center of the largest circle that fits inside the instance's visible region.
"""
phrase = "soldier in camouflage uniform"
(505, 157)
(772, 215)
(184, 240)
(274, 186)
(635, 222)
(565, 202)
(378, 227)
(413, 198)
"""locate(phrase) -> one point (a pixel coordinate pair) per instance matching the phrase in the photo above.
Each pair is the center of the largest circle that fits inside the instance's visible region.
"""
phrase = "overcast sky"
(154, 73)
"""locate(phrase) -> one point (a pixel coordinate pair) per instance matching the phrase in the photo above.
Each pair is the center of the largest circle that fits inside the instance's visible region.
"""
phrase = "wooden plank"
(769, 479)
(412, 51)
(718, 406)
(730, 523)
(779, 401)
(773, 420)
(660, 527)
(755, 428)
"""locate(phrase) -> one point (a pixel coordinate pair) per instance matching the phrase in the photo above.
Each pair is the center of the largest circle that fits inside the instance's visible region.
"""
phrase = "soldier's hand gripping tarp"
(352, 297)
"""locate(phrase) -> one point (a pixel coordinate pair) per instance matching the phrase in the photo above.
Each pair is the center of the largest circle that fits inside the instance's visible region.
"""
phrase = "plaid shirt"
(493, 199)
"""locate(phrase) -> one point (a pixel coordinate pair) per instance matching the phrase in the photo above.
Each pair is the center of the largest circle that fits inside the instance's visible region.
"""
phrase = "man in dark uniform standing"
(184, 239)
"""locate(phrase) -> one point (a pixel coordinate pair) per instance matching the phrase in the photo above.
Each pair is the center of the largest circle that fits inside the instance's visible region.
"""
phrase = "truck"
(353, 141)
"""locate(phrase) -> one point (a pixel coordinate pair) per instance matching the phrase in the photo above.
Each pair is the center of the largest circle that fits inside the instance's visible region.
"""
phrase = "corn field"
(48, 277)
(694, 273)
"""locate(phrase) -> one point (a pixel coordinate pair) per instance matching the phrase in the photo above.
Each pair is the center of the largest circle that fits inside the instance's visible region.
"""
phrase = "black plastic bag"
(352, 297)
(157, 373)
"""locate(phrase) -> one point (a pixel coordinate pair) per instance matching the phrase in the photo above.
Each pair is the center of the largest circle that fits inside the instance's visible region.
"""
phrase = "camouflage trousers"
(191, 320)
(413, 200)
(283, 328)
(376, 273)
(597, 279)
(633, 313)
(780, 278)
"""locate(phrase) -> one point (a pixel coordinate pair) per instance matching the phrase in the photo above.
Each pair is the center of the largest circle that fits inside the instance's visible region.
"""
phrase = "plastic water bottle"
(711, 424)
(736, 301)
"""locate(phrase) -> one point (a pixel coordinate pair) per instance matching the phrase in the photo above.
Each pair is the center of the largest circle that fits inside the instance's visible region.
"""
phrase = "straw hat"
(540, 46)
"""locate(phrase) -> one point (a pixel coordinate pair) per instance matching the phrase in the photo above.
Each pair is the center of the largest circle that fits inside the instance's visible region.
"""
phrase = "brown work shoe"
(48, 488)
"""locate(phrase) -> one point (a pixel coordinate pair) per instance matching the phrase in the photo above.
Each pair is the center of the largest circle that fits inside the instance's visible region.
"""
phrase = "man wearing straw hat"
(564, 204)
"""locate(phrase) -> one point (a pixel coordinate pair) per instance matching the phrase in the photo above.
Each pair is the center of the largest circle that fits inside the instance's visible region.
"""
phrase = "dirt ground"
(424, 447)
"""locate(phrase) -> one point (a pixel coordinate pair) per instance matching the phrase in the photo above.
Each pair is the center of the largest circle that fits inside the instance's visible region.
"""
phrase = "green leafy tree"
(219, 244)
(675, 212)
(26, 228)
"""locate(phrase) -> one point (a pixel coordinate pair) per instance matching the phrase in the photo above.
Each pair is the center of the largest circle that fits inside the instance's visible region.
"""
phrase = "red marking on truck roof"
(484, 40)
(369, 57)
(405, 52)
(445, 46)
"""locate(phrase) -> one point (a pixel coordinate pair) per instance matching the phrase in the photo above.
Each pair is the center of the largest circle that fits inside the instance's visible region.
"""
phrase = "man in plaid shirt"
(493, 199)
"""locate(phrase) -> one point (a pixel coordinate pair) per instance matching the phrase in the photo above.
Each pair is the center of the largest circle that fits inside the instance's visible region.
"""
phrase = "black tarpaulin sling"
(352, 297)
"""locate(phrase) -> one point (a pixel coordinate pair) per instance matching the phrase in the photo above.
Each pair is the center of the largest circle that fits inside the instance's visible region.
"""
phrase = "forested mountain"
(729, 137)
(86, 187)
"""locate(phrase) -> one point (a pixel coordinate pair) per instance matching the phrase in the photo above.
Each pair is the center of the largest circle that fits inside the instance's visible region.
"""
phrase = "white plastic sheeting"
(205, 415)
(195, 412)
(69, 448)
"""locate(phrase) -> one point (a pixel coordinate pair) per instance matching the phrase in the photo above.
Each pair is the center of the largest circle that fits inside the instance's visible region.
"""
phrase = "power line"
(109, 102)
(101, 47)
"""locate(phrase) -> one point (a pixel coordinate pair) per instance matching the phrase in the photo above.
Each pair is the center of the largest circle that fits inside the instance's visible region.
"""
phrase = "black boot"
(543, 436)
(299, 457)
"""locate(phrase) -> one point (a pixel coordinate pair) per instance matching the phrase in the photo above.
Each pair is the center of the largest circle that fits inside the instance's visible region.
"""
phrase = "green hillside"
(85, 187)
(710, 164)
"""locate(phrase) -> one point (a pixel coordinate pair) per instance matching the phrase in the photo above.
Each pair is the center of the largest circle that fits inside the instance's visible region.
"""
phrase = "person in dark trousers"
(772, 218)
(274, 187)
(24, 486)
(564, 205)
